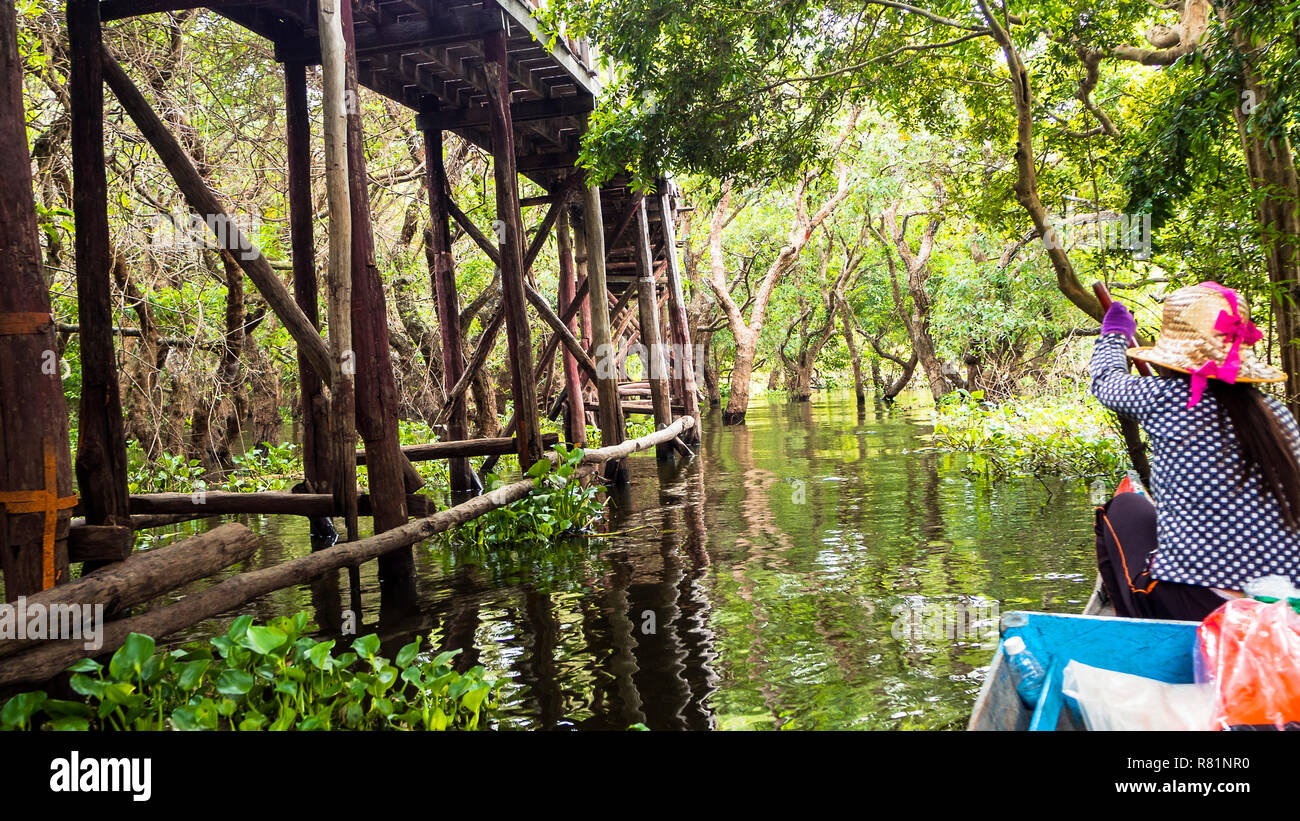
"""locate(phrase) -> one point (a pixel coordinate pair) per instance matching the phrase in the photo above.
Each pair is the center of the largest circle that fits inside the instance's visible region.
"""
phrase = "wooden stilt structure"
(510, 232)
(610, 414)
(576, 418)
(482, 69)
(342, 361)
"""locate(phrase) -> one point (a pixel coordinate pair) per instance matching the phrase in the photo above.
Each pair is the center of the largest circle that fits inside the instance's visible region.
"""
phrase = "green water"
(758, 586)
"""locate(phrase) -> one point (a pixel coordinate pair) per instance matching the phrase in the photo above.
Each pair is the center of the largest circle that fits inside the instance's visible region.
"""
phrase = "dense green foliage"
(1063, 435)
(261, 677)
(562, 505)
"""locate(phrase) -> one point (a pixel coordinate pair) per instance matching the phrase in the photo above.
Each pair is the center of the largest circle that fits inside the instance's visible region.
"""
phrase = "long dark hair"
(1264, 442)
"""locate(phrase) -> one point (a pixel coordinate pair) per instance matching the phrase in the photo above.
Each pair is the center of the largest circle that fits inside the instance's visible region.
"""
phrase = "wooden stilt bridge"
(482, 69)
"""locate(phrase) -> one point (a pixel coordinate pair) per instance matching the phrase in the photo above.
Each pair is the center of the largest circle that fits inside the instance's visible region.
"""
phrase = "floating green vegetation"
(1052, 435)
(256, 677)
(561, 505)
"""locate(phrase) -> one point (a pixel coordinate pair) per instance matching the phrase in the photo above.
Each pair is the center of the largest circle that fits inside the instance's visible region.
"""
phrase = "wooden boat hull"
(999, 706)
(1161, 650)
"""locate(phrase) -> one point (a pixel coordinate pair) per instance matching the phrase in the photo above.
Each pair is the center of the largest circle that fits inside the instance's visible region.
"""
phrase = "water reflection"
(753, 587)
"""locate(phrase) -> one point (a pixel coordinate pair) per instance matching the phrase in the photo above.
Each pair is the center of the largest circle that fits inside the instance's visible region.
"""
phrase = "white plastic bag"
(1120, 701)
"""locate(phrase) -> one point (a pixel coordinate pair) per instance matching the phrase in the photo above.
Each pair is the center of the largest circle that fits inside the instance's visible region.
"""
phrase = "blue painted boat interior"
(1161, 650)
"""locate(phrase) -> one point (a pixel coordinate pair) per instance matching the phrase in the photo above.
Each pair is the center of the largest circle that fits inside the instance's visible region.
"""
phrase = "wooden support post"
(653, 357)
(580, 261)
(315, 407)
(35, 464)
(377, 414)
(576, 421)
(510, 236)
(462, 476)
(101, 445)
(679, 324)
(602, 348)
(342, 363)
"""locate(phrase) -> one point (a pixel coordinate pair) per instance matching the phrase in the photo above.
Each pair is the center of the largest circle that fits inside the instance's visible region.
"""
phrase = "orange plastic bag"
(1250, 651)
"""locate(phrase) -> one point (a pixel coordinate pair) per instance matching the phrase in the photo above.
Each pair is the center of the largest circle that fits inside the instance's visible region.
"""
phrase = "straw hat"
(1206, 331)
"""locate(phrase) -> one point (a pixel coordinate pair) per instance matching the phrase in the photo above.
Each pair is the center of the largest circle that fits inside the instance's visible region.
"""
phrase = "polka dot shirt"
(1213, 528)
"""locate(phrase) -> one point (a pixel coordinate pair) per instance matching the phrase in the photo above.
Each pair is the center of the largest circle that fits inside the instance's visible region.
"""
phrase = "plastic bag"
(1109, 700)
(1249, 651)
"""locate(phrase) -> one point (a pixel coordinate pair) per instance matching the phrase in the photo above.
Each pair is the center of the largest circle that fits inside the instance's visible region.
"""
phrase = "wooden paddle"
(1137, 452)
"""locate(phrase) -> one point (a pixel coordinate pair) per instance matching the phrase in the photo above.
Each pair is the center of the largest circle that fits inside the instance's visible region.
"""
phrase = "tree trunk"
(904, 377)
(742, 370)
(916, 268)
(712, 384)
(850, 326)
(1272, 168)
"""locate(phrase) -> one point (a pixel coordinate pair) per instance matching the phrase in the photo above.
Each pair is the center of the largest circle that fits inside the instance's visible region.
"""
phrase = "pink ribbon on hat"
(1238, 330)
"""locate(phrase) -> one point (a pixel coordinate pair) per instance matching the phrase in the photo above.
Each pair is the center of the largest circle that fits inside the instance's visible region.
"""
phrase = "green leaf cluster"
(262, 677)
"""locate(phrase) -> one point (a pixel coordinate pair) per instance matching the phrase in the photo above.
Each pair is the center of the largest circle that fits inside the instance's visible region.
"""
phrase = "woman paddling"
(1225, 474)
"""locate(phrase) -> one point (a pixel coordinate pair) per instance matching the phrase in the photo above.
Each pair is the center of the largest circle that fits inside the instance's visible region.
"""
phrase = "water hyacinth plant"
(560, 506)
(262, 677)
(1069, 436)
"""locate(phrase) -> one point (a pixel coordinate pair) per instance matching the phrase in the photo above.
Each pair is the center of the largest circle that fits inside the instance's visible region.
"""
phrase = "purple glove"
(1119, 321)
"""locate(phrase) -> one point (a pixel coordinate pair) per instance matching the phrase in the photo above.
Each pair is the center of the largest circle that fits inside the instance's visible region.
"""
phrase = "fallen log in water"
(463, 448)
(218, 502)
(154, 509)
(646, 408)
(147, 575)
(144, 521)
(44, 662)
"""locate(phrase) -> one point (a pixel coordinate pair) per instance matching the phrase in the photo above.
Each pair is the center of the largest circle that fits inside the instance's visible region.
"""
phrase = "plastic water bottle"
(1029, 673)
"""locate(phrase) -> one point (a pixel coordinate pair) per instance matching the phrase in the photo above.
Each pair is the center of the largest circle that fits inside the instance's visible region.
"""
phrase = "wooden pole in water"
(376, 411)
(342, 408)
(1137, 452)
(510, 240)
(655, 366)
(462, 477)
(315, 407)
(679, 327)
(602, 347)
(101, 444)
(576, 421)
(35, 463)
(580, 267)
